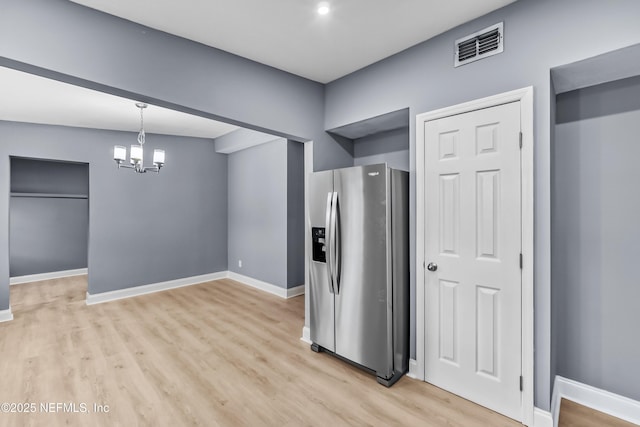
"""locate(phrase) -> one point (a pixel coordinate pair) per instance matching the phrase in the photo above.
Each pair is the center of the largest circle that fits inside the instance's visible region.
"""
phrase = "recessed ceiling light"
(323, 8)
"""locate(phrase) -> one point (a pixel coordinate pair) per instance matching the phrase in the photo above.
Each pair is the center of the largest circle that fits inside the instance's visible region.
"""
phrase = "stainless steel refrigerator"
(359, 267)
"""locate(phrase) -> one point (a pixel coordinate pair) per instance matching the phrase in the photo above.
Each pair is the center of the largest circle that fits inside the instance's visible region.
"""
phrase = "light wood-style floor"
(215, 354)
(575, 415)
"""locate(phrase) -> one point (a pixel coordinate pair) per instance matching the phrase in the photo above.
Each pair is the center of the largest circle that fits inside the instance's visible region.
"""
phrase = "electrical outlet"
(240, 263)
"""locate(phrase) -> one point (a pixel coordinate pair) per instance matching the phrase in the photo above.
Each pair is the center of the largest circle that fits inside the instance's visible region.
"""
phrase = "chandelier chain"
(141, 135)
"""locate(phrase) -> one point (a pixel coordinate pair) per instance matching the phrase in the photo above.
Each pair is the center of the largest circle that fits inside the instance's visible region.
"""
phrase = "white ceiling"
(291, 36)
(28, 98)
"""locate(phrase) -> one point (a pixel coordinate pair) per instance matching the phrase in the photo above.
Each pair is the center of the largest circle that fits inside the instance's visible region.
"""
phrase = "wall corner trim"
(542, 418)
(595, 398)
(306, 335)
(413, 370)
(6, 315)
(47, 276)
(295, 291)
(266, 287)
(151, 288)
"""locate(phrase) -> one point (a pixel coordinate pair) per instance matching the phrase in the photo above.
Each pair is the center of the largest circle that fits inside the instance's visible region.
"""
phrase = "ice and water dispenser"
(318, 251)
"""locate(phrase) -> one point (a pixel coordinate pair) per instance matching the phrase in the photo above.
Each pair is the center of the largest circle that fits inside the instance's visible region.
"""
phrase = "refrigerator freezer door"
(400, 271)
(363, 297)
(321, 300)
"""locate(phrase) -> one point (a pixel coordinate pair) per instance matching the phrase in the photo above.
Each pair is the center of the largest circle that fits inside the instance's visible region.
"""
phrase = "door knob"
(432, 266)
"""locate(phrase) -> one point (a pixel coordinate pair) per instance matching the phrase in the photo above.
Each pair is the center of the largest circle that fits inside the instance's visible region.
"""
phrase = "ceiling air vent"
(479, 45)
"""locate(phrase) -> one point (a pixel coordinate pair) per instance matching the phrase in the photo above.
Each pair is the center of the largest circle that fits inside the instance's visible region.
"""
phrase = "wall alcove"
(595, 204)
(380, 139)
(49, 216)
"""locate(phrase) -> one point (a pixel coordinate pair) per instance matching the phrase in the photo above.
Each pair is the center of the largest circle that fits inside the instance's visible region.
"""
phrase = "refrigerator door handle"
(335, 244)
(329, 242)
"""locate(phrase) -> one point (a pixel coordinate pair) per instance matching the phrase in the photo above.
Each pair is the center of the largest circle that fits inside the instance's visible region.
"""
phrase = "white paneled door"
(472, 255)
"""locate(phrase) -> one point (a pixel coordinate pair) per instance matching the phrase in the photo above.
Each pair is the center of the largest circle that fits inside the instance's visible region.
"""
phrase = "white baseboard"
(295, 291)
(306, 335)
(266, 287)
(46, 276)
(154, 287)
(6, 315)
(542, 418)
(413, 368)
(595, 398)
(188, 281)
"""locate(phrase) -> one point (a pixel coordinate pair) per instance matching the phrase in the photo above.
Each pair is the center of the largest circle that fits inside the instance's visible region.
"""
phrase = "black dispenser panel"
(318, 252)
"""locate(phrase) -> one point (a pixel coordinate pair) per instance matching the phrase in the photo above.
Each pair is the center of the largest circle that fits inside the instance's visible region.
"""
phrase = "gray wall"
(539, 35)
(391, 147)
(48, 234)
(38, 176)
(143, 228)
(266, 212)
(596, 236)
(295, 214)
(257, 200)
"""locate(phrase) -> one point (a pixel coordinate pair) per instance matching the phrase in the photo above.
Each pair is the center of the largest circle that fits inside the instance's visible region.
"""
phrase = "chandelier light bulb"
(119, 153)
(136, 153)
(158, 157)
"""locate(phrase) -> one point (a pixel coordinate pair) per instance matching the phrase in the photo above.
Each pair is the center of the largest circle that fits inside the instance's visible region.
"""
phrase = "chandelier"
(137, 164)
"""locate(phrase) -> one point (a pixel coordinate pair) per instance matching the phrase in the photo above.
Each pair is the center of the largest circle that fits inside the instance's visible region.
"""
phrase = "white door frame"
(525, 96)
(308, 170)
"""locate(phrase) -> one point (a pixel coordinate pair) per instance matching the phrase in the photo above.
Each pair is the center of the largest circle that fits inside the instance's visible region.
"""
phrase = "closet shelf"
(51, 195)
